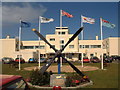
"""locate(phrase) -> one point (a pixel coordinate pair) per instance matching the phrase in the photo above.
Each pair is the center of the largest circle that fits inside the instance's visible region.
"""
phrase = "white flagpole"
(101, 28)
(60, 18)
(61, 28)
(39, 42)
(20, 29)
(82, 30)
(82, 39)
(101, 43)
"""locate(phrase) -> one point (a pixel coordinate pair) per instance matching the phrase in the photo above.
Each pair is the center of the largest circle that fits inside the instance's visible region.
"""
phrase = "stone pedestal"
(57, 80)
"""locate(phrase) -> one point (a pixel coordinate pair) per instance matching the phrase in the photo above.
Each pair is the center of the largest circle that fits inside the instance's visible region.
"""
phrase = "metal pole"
(60, 18)
(59, 58)
(101, 43)
(20, 28)
(61, 61)
(59, 69)
(39, 42)
(82, 39)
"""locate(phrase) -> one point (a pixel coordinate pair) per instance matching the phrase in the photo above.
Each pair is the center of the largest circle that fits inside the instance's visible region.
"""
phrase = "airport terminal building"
(74, 51)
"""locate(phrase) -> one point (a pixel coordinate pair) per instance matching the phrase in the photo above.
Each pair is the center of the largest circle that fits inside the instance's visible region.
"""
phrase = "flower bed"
(72, 80)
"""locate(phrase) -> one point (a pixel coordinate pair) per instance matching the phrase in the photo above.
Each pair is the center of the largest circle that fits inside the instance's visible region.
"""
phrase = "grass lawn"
(101, 78)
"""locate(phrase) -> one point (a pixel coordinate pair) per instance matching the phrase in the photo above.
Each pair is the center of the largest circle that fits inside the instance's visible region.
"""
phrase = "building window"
(95, 46)
(42, 47)
(82, 46)
(52, 39)
(53, 46)
(19, 56)
(61, 46)
(84, 54)
(61, 41)
(36, 47)
(59, 32)
(86, 46)
(91, 55)
(63, 32)
(90, 46)
(71, 46)
(28, 47)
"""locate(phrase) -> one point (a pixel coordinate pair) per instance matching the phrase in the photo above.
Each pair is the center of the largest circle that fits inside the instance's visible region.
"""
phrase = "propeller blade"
(41, 36)
(72, 38)
(77, 70)
(46, 66)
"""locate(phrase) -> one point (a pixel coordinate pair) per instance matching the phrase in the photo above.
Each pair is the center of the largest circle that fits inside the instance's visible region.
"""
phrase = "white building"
(73, 51)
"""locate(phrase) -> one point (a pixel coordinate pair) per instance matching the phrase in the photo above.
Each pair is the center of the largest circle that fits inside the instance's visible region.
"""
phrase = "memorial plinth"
(57, 80)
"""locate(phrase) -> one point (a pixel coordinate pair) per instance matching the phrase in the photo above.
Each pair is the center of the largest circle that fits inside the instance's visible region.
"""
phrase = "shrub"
(72, 80)
(68, 81)
(39, 79)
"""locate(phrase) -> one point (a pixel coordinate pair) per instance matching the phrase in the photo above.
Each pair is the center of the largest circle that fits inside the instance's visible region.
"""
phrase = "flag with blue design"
(107, 24)
(25, 24)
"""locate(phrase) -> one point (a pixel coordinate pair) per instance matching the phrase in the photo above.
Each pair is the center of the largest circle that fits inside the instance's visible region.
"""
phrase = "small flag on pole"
(107, 24)
(66, 14)
(88, 20)
(46, 20)
(25, 24)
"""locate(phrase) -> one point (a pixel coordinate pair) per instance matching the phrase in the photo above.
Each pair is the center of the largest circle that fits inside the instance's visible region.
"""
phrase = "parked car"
(86, 60)
(7, 60)
(21, 60)
(13, 82)
(32, 60)
(107, 59)
(48, 60)
(117, 58)
(43, 60)
(94, 59)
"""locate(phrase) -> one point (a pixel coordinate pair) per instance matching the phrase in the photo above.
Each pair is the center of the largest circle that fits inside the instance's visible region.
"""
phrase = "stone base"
(57, 80)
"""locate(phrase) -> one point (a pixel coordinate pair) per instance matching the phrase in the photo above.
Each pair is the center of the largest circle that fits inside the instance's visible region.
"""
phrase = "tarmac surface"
(65, 68)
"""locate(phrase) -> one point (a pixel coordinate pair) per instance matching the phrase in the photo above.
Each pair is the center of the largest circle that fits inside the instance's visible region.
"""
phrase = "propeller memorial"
(58, 54)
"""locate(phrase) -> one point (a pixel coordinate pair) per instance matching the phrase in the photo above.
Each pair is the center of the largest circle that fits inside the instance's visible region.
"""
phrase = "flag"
(107, 24)
(88, 20)
(46, 20)
(25, 24)
(66, 14)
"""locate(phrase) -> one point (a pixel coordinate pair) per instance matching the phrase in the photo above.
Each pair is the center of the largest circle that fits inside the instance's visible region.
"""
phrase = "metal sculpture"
(58, 54)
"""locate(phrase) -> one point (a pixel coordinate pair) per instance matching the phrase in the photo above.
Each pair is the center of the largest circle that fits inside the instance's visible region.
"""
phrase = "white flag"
(88, 20)
(46, 20)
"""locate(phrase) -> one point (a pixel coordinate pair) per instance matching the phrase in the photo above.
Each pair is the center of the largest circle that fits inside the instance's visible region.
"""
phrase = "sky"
(30, 11)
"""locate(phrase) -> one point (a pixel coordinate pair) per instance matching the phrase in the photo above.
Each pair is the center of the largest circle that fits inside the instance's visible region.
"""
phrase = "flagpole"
(20, 29)
(82, 38)
(39, 42)
(82, 30)
(60, 18)
(60, 28)
(60, 59)
(101, 43)
(101, 28)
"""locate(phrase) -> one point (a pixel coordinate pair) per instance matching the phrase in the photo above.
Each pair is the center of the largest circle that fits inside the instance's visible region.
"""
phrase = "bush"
(39, 79)
(72, 80)
(68, 82)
